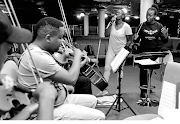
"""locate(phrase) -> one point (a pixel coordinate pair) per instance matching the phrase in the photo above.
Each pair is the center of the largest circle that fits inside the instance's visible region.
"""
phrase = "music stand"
(119, 95)
(147, 101)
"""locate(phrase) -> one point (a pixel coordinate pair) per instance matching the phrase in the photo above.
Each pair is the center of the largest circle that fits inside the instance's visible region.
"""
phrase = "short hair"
(47, 25)
(123, 13)
(155, 8)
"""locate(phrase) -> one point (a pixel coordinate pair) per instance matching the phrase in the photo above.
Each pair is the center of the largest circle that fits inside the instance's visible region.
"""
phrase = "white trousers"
(78, 107)
(110, 55)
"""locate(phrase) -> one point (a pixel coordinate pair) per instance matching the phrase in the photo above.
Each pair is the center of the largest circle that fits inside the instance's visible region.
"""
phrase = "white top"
(117, 38)
(44, 61)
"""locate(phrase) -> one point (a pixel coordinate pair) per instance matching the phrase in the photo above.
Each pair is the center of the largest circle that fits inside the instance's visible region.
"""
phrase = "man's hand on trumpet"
(89, 59)
(77, 52)
(94, 61)
(69, 52)
(84, 60)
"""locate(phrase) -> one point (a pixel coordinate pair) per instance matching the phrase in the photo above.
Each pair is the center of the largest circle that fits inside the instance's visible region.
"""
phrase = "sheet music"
(145, 62)
(179, 100)
(168, 98)
(171, 114)
(120, 57)
(157, 119)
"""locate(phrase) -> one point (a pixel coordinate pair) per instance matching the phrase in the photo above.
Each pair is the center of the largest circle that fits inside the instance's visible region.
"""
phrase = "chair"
(10, 68)
(171, 74)
(164, 61)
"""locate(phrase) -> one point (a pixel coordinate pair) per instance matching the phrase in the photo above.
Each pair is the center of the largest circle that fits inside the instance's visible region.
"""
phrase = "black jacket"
(150, 35)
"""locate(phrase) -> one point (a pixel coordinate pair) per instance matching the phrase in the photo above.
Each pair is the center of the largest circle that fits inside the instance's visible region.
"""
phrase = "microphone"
(110, 23)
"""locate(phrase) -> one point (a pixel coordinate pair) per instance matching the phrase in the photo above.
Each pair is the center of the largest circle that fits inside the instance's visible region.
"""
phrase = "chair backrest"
(171, 79)
(166, 59)
(172, 72)
(10, 68)
(178, 47)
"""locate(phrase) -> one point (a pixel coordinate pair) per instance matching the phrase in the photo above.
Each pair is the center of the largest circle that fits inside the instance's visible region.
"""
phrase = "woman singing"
(120, 36)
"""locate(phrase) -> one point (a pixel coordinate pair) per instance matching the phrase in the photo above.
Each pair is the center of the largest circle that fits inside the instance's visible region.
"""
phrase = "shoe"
(102, 93)
(152, 92)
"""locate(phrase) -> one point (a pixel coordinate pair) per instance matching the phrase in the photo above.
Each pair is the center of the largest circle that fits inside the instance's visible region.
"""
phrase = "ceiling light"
(171, 16)
(82, 14)
(78, 16)
(41, 8)
(157, 18)
(105, 15)
(94, 10)
(127, 18)
(136, 17)
(125, 10)
(40, 3)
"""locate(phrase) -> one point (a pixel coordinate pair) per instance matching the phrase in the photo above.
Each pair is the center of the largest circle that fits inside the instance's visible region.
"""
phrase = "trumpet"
(68, 49)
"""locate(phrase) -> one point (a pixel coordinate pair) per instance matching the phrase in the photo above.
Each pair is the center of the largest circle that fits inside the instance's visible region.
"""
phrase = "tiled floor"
(130, 91)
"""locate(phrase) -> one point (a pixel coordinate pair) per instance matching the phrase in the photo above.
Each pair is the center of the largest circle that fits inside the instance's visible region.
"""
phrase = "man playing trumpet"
(49, 32)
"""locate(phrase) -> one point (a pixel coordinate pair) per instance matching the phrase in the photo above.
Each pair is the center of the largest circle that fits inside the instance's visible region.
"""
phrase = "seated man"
(49, 32)
(10, 35)
(83, 83)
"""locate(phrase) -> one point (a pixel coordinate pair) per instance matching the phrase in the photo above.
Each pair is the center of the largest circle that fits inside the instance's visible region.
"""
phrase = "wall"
(94, 40)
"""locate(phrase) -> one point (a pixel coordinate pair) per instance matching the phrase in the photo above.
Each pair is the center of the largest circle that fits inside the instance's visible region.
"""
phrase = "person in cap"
(10, 35)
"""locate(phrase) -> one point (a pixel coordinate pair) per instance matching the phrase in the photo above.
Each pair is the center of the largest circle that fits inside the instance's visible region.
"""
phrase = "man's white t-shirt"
(43, 60)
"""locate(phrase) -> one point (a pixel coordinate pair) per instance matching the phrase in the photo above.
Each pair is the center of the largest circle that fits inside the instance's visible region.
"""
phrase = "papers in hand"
(145, 62)
(119, 59)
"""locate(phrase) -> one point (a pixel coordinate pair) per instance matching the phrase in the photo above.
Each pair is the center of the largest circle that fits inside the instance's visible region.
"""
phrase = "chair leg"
(162, 71)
